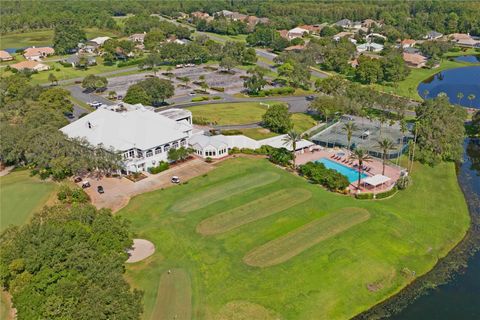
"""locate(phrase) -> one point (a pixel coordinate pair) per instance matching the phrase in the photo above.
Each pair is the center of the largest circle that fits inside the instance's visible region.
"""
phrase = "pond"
(464, 80)
(471, 59)
(458, 299)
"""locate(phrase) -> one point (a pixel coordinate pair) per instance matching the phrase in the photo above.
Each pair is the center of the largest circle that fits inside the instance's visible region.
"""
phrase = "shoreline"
(444, 271)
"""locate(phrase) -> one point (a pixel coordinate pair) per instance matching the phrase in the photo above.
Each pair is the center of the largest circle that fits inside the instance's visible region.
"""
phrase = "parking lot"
(232, 83)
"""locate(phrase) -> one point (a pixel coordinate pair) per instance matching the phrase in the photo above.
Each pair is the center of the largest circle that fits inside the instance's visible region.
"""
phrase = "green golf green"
(347, 254)
(20, 196)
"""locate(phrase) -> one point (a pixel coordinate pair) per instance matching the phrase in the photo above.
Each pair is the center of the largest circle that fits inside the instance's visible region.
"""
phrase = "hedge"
(198, 99)
(162, 166)
(219, 89)
(130, 62)
(382, 195)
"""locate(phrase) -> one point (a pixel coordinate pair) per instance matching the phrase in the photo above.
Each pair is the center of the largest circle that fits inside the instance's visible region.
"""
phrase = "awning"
(376, 180)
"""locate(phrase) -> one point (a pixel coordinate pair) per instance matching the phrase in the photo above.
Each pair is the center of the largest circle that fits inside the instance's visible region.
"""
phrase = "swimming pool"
(350, 173)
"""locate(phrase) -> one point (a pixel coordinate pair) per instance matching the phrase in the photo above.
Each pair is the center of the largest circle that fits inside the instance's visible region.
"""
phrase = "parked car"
(77, 179)
(191, 93)
(69, 115)
(175, 179)
(100, 189)
(309, 98)
(95, 104)
(85, 184)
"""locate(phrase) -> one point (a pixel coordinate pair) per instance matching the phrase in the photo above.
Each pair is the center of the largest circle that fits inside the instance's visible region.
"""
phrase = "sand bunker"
(141, 250)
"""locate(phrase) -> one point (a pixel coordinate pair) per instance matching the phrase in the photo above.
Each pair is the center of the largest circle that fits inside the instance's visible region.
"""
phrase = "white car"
(175, 179)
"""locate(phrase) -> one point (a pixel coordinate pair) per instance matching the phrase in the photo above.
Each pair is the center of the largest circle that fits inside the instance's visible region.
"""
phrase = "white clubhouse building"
(142, 135)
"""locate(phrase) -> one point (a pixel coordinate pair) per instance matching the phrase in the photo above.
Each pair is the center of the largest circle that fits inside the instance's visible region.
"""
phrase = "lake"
(471, 59)
(458, 299)
(465, 80)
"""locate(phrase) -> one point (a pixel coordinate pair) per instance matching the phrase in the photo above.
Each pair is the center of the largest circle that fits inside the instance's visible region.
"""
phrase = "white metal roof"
(241, 141)
(376, 180)
(142, 129)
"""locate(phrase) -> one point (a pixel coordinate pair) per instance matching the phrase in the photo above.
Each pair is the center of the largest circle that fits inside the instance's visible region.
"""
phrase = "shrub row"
(162, 166)
(279, 91)
(130, 62)
(198, 99)
(382, 195)
(219, 89)
(263, 150)
(330, 179)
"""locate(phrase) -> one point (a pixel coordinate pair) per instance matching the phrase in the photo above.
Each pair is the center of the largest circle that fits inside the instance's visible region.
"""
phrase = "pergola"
(376, 180)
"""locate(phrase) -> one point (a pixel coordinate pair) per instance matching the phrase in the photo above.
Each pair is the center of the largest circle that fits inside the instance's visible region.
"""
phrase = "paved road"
(104, 74)
(261, 52)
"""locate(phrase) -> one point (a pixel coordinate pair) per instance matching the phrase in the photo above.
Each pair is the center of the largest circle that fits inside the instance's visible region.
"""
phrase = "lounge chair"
(333, 156)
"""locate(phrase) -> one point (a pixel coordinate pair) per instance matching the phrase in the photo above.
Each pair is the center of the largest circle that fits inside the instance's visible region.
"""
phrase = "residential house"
(344, 34)
(464, 40)
(201, 16)
(344, 23)
(414, 60)
(369, 23)
(137, 37)
(76, 60)
(357, 25)
(37, 54)
(433, 35)
(252, 21)
(407, 43)
(30, 65)
(312, 29)
(296, 33)
(237, 16)
(5, 56)
(140, 134)
(369, 46)
(98, 41)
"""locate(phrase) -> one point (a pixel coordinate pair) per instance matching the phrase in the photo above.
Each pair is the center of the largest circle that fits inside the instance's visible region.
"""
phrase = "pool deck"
(391, 171)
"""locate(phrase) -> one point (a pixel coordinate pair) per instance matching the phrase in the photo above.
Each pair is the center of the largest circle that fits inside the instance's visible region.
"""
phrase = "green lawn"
(230, 113)
(244, 113)
(302, 122)
(334, 256)
(43, 38)
(21, 195)
(67, 73)
(408, 87)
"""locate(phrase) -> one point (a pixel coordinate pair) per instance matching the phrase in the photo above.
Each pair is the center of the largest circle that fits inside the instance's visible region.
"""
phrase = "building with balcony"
(142, 136)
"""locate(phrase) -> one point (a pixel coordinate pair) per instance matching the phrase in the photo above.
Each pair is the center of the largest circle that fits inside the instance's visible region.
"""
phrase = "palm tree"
(292, 138)
(459, 97)
(386, 145)
(361, 156)
(349, 128)
(470, 98)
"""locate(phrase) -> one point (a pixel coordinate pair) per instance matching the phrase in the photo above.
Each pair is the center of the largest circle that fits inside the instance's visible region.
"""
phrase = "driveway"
(118, 191)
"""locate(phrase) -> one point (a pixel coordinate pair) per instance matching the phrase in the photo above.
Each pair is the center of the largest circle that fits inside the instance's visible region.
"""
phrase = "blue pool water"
(351, 174)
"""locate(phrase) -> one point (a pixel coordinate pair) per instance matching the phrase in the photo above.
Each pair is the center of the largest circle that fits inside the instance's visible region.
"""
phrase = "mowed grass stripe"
(174, 298)
(224, 190)
(295, 242)
(252, 211)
